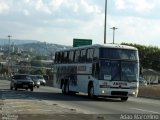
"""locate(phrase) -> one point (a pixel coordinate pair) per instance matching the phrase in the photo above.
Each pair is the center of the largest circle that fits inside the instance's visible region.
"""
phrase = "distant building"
(151, 76)
(31, 50)
(17, 50)
(12, 48)
(3, 63)
(24, 64)
(47, 63)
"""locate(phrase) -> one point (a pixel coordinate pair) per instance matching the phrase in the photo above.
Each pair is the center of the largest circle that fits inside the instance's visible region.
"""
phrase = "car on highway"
(41, 79)
(35, 80)
(21, 81)
(142, 81)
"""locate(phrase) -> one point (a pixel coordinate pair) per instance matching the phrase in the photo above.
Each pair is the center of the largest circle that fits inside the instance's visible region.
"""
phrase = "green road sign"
(81, 42)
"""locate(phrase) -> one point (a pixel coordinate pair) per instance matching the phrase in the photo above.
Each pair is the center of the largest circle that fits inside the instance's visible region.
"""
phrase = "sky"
(60, 21)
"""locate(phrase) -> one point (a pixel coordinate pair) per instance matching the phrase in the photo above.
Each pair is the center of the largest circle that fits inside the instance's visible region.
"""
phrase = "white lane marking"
(145, 110)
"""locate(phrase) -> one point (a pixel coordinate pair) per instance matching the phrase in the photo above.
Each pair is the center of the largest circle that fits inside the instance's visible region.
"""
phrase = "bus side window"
(73, 59)
(61, 57)
(96, 54)
(55, 60)
(71, 56)
(65, 57)
(58, 57)
(83, 56)
(77, 56)
(90, 55)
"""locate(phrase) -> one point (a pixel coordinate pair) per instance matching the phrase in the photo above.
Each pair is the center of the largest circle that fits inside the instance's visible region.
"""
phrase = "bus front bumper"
(118, 92)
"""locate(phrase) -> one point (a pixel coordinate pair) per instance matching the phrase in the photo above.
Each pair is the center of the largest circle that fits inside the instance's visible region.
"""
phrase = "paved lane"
(50, 101)
(104, 106)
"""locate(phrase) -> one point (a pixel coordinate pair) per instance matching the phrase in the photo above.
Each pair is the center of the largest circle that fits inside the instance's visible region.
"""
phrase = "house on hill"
(152, 76)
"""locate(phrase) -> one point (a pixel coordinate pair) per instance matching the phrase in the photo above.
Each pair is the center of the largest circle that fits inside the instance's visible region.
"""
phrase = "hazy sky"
(59, 21)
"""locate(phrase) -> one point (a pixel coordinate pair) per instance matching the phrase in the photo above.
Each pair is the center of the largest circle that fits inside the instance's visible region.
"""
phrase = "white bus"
(99, 70)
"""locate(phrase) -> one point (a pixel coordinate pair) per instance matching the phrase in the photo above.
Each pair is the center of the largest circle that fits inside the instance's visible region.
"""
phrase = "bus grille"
(119, 93)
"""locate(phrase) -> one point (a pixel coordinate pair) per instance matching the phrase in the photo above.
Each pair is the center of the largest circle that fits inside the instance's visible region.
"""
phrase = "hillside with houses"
(27, 56)
(34, 56)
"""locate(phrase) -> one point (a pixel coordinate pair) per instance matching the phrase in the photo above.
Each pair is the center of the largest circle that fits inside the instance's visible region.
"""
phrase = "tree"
(149, 56)
(36, 63)
(3, 70)
(38, 72)
(23, 71)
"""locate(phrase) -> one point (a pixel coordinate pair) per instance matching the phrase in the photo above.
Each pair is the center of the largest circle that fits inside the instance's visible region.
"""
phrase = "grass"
(149, 91)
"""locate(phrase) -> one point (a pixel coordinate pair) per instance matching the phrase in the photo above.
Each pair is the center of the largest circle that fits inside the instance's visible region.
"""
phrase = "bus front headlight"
(103, 92)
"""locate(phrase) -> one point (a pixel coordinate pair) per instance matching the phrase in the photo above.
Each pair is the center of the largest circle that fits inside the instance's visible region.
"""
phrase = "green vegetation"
(38, 72)
(149, 56)
(3, 70)
(23, 71)
(36, 63)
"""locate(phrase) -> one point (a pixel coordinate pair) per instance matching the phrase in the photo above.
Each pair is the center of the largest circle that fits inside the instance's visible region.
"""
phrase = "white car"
(142, 81)
(35, 80)
(42, 80)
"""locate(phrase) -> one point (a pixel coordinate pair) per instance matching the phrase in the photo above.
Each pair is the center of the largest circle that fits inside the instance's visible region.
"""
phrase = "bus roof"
(116, 46)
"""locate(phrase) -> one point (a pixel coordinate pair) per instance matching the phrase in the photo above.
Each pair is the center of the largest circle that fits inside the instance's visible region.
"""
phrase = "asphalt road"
(48, 103)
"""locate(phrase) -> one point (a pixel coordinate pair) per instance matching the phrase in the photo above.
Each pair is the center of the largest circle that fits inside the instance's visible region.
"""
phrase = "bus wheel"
(124, 98)
(11, 88)
(16, 88)
(67, 88)
(64, 88)
(90, 91)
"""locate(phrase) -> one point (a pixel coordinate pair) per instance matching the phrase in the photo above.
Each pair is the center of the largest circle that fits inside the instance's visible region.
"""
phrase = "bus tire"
(91, 91)
(31, 89)
(124, 99)
(11, 88)
(64, 88)
(16, 88)
(67, 88)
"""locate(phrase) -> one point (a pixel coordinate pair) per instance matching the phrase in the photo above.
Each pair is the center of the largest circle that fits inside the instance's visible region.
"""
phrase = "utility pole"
(9, 37)
(105, 22)
(114, 28)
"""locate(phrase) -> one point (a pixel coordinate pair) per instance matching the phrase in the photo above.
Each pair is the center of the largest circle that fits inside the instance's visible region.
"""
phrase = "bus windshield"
(118, 70)
(112, 53)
